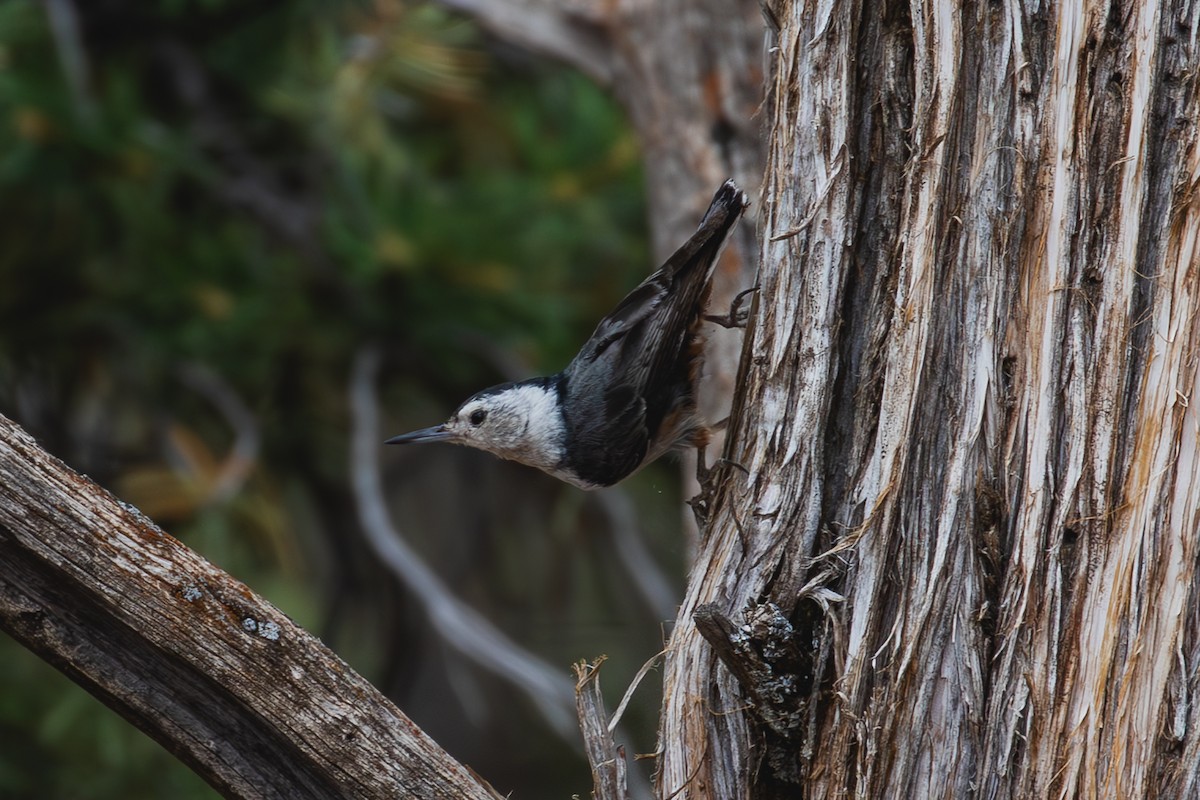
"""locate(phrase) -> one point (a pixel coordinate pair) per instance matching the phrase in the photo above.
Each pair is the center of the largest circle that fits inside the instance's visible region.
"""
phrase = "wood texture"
(963, 458)
(967, 412)
(606, 759)
(221, 678)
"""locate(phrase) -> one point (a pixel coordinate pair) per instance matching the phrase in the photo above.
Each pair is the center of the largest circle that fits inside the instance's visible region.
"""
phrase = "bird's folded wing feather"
(608, 385)
(688, 266)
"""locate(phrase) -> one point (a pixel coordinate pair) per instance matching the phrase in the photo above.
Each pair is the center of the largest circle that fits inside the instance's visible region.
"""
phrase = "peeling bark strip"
(218, 676)
(969, 399)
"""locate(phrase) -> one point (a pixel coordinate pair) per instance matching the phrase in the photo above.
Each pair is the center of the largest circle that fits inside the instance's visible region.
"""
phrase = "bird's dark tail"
(728, 199)
(705, 244)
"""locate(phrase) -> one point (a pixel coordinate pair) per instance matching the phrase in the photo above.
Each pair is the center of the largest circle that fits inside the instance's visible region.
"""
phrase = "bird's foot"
(705, 473)
(707, 477)
(738, 315)
(725, 462)
(699, 506)
(700, 503)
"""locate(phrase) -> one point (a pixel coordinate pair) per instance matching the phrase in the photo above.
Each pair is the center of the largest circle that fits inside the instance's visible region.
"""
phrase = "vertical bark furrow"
(972, 375)
(745, 550)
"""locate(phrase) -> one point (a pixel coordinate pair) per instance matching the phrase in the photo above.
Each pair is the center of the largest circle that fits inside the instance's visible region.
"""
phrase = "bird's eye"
(478, 416)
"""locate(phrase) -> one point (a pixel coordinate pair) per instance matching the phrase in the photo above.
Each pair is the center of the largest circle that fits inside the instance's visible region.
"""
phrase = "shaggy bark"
(218, 676)
(968, 446)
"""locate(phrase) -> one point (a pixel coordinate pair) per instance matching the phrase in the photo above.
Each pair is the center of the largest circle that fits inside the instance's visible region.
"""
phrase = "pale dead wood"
(968, 398)
(221, 678)
(606, 759)
(632, 688)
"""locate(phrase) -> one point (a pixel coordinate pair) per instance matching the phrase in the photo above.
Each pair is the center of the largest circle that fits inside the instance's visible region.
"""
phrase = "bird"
(629, 395)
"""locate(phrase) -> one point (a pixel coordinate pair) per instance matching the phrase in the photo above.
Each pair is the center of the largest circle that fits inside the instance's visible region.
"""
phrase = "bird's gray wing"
(604, 453)
(684, 278)
(620, 384)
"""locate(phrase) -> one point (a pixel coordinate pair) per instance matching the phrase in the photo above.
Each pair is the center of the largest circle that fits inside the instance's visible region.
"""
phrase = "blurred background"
(238, 238)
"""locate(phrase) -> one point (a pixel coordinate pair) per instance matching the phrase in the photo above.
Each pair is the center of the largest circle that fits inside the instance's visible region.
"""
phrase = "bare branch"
(607, 760)
(560, 30)
(633, 685)
(661, 598)
(68, 41)
(236, 467)
(220, 677)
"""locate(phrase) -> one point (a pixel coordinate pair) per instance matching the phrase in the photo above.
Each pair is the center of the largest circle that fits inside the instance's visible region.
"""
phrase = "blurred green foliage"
(250, 193)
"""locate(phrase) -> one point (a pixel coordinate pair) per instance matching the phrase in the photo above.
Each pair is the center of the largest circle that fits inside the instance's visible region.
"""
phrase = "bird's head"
(517, 421)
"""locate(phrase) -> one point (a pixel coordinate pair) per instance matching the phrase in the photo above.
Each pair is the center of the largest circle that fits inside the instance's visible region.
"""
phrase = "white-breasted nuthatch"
(628, 397)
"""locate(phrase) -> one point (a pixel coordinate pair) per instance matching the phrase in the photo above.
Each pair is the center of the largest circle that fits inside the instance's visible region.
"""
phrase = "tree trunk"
(957, 555)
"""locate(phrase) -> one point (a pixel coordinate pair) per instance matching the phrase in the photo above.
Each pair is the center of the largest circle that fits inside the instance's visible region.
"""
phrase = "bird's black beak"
(438, 433)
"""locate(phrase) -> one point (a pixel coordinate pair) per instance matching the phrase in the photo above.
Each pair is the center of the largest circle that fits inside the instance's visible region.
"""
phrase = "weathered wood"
(765, 657)
(964, 424)
(221, 678)
(605, 758)
(968, 399)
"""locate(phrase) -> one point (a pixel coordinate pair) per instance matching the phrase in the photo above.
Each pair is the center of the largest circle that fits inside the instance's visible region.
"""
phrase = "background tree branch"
(571, 32)
(460, 626)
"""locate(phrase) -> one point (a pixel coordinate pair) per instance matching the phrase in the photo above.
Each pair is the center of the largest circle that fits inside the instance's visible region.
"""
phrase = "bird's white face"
(521, 422)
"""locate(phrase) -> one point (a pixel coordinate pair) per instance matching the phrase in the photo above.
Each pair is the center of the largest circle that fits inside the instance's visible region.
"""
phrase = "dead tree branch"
(217, 675)
(606, 759)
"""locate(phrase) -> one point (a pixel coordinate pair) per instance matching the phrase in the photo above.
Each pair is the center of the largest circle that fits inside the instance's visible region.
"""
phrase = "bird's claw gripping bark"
(737, 316)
